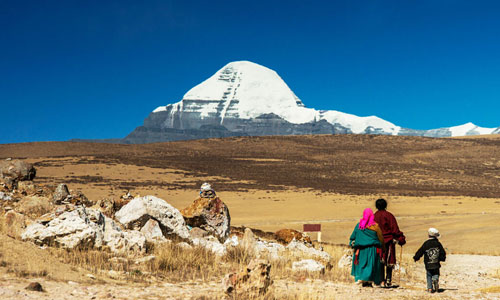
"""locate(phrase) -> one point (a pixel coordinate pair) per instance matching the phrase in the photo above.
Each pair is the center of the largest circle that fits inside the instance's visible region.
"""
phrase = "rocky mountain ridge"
(247, 99)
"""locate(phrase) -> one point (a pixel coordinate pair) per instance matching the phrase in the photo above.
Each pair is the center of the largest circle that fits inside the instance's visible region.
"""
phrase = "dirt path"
(463, 276)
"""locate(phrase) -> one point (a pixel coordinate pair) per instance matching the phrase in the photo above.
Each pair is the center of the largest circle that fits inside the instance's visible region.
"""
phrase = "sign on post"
(313, 228)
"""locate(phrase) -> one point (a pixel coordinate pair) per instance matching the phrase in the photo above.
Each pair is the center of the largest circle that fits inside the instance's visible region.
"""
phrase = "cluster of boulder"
(129, 224)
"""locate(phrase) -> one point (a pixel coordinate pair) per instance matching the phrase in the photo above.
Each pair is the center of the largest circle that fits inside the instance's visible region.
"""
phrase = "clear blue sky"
(96, 69)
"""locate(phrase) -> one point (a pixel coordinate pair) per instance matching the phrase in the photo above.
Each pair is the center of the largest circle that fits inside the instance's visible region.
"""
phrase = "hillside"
(352, 164)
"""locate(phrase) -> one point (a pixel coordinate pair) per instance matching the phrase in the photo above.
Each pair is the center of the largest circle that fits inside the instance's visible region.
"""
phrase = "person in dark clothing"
(433, 253)
(392, 235)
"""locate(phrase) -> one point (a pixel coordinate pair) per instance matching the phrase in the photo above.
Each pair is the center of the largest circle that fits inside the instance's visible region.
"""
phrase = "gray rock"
(138, 211)
(83, 228)
(70, 229)
(212, 244)
(5, 196)
(17, 170)
(346, 260)
(60, 194)
(152, 231)
(122, 241)
(308, 265)
(299, 247)
(197, 232)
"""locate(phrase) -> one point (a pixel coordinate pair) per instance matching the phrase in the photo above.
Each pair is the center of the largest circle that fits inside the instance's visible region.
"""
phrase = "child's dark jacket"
(433, 253)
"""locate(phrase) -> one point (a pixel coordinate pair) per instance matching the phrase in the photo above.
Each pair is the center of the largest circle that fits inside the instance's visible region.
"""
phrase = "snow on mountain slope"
(246, 90)
(469, 129)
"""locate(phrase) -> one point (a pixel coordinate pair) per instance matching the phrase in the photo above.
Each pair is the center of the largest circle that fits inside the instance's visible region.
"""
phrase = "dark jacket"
(433, 253)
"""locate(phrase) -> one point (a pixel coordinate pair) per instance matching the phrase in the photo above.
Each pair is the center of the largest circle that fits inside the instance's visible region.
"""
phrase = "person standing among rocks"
(392, 235)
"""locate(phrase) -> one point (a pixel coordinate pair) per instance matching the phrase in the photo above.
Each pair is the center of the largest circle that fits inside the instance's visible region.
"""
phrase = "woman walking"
(368, 243)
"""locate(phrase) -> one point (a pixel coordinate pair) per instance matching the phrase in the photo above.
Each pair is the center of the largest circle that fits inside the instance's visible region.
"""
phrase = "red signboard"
(312, 227)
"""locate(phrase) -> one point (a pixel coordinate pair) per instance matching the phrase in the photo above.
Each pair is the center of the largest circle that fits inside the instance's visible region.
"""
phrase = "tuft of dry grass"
(179, 264)
(496, 274)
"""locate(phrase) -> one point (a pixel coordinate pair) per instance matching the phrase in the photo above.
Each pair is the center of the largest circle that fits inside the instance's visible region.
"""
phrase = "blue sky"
(96, 69)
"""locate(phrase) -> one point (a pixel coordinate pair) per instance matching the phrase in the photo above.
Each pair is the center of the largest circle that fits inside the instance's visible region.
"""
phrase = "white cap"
(433, 232)
(205, 187)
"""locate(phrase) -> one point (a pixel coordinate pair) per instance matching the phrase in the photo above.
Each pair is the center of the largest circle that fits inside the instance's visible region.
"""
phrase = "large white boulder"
(77, 228)
(84, 228)
(139, 210)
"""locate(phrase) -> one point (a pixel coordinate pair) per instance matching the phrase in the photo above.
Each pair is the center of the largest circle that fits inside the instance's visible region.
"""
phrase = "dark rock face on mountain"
(260, 126)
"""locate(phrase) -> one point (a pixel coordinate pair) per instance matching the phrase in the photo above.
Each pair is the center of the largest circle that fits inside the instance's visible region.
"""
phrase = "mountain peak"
(469, 129)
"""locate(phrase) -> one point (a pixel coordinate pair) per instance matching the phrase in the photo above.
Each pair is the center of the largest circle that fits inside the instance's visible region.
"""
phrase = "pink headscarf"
(367, 220)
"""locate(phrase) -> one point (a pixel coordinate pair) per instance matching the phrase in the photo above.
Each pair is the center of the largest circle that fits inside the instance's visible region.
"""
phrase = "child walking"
(433, 253)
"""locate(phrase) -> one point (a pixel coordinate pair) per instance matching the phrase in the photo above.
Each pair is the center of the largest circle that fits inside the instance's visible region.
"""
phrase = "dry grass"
(176, 264)
(28, 260)
(496, 274)
(491, 289)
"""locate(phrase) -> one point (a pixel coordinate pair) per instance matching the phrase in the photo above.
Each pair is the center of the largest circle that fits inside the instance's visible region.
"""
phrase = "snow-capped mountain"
(244, 98)
(461, 130)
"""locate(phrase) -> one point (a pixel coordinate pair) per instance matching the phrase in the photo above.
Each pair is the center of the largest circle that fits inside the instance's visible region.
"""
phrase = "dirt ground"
(462, 277)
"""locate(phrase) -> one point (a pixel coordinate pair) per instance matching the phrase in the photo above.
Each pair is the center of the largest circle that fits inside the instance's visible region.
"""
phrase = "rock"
(212, 244)
(106, 206)
(248, 242)
(152, 231)
(91, 276)
(34, 206)
(122, 241)
(137, 212)
(210, 214)
(197, 232)
(303, 250)
(34, 286)
(5, 196)
(17, 170)
(128, 196)
(287, 235)
(78, 198)
(260, 248)
(184, 246)
(145, 259)
(14, 224)
(252, 282)
(231, 242)
(60, 194)
(70, 229)
(26, 188)
(79, 227)
(269, 250)
(346, 260)
(308, 265)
